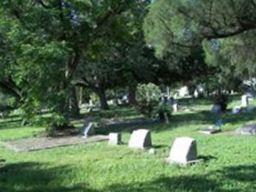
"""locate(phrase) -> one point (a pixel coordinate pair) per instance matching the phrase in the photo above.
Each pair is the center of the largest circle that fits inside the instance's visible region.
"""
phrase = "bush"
(164, 112)
(148, 97)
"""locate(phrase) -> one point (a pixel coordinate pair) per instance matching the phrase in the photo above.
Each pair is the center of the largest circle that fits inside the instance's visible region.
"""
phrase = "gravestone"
(89, 130)
(115, 138)
(140, 139)
(175, 107)
(183, 151)
(244, 101)
(247, 130)
(236, 110)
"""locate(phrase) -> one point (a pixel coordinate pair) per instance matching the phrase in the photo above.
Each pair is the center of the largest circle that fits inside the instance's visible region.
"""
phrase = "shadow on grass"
(205, 117)
(240, 118)
(206, 158)
(225, 180)
(115, 112)
(10, 124)
(34, 177)
(177, 120)
(205, 101)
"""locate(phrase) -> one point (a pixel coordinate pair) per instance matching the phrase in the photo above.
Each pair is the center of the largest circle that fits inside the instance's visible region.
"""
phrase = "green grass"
(230, 160)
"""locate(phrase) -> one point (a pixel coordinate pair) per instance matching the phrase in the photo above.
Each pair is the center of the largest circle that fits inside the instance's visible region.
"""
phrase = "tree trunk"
(103, 99)
(74, 110)
(132, 95)
(80, 96)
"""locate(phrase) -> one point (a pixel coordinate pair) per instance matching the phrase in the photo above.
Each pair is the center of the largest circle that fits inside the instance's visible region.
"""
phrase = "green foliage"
(44, 43)
(173, 25)
(224, 54)
(177, 26)
(164, 112)
(148, 97)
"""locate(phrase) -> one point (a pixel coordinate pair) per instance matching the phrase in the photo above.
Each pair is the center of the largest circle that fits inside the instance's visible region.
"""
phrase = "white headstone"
(89, 130)
(183, 151)
(244, 101)
(140, 139)
(115, 138)
(175, 107)
(196, 94)
(236, 110)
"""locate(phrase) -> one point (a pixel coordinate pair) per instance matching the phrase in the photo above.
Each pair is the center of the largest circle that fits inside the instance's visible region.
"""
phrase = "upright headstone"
(89, 130)
(115, 138)
(175, 107)
(244, 101)
(183, 151)
(140, 139)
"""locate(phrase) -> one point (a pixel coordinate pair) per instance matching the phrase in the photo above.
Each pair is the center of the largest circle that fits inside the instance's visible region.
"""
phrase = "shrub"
(148, 97)
(164, 112)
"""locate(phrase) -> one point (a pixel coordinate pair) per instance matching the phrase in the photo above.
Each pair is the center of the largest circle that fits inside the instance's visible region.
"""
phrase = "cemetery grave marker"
(140, 139)
(247, 130)
(183, 151)
(244, 101)
(115, 138)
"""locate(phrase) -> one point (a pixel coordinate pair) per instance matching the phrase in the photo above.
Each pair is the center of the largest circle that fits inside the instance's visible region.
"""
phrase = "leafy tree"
(223, 29)
(183, 23)
(47, 40)
(119, 59)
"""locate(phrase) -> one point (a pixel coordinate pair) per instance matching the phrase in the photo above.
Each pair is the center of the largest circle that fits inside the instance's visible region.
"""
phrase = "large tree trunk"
(103, 99)
(132, 95)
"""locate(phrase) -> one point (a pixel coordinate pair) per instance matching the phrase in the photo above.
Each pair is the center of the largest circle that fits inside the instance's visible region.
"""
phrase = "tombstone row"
(183, 150)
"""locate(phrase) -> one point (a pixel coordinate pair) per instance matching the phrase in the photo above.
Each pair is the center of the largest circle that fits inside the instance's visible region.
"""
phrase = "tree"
(48, 39)
(184, 23)
(221, 28)
(118, 59)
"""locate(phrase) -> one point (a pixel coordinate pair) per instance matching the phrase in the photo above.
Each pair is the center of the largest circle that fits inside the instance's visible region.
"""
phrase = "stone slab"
(210, 131)
(247, 130)
(39, 143)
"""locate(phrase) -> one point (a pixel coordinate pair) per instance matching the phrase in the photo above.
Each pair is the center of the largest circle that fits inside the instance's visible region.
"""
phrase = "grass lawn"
(230, 160)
